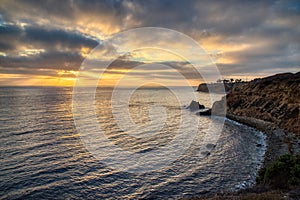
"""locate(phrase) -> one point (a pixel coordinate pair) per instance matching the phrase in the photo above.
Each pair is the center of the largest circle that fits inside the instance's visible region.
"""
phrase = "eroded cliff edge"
(274, 99)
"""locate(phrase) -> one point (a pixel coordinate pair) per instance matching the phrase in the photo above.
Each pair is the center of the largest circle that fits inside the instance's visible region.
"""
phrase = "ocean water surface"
(43, 156)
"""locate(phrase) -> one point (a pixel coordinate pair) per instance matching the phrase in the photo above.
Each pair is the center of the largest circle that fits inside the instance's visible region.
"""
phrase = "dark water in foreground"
(42, 155)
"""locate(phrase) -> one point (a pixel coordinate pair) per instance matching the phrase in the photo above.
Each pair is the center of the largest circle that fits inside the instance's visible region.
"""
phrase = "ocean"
(44, 154)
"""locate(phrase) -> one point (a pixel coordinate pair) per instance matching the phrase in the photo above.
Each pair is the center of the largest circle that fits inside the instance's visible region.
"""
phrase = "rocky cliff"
(274, 99)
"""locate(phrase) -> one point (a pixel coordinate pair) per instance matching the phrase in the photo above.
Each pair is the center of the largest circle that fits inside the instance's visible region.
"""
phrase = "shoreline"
(278, 141)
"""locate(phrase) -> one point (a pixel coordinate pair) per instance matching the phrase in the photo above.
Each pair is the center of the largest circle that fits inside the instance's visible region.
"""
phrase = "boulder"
(195, 105)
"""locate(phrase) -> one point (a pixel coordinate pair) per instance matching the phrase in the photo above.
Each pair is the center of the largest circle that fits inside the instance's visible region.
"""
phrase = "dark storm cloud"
(223, 17)
(9, 36)
(184, 68)
(68, 13)
(69, 8)
(10, 31)
(126, 62)
(46, 60)
(40, 37)
(61, 49)
(165, 13)
(57, 37)
(62, 28)
(6, 46)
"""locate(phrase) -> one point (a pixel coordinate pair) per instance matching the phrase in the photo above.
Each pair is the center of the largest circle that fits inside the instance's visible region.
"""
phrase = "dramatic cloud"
(58, 38)
(245, 38)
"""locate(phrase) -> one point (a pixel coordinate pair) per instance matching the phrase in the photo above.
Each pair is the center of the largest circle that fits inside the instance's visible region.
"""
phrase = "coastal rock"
(195, 105)
(274, 99)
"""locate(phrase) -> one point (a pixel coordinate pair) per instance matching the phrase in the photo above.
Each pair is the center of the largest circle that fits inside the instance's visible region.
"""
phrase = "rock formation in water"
(274, 99)
(194, 105)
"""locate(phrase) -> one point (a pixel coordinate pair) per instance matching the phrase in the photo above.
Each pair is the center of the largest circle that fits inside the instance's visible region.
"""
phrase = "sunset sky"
(45, 42)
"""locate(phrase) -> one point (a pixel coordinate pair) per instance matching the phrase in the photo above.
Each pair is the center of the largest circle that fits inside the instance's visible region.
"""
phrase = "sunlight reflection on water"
(42, 154)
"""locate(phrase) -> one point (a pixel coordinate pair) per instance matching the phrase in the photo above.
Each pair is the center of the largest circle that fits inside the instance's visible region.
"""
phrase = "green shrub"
(283, 173)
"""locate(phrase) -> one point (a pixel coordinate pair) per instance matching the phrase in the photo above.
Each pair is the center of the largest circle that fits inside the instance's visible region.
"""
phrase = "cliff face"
(274, 99)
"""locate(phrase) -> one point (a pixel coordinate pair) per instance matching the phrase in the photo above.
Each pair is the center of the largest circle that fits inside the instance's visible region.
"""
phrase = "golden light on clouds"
(67, 72)
(226, 60)
(31, 52)
(85, 51)
(219, 49)
(41, 41)
(34, 80)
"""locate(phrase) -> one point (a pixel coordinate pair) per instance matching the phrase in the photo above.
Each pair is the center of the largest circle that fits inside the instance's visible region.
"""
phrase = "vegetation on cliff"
(221, 86)
(284, 173)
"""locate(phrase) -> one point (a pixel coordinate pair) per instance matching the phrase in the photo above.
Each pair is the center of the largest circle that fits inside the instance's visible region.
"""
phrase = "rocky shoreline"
(279, 142)
(270, 105)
